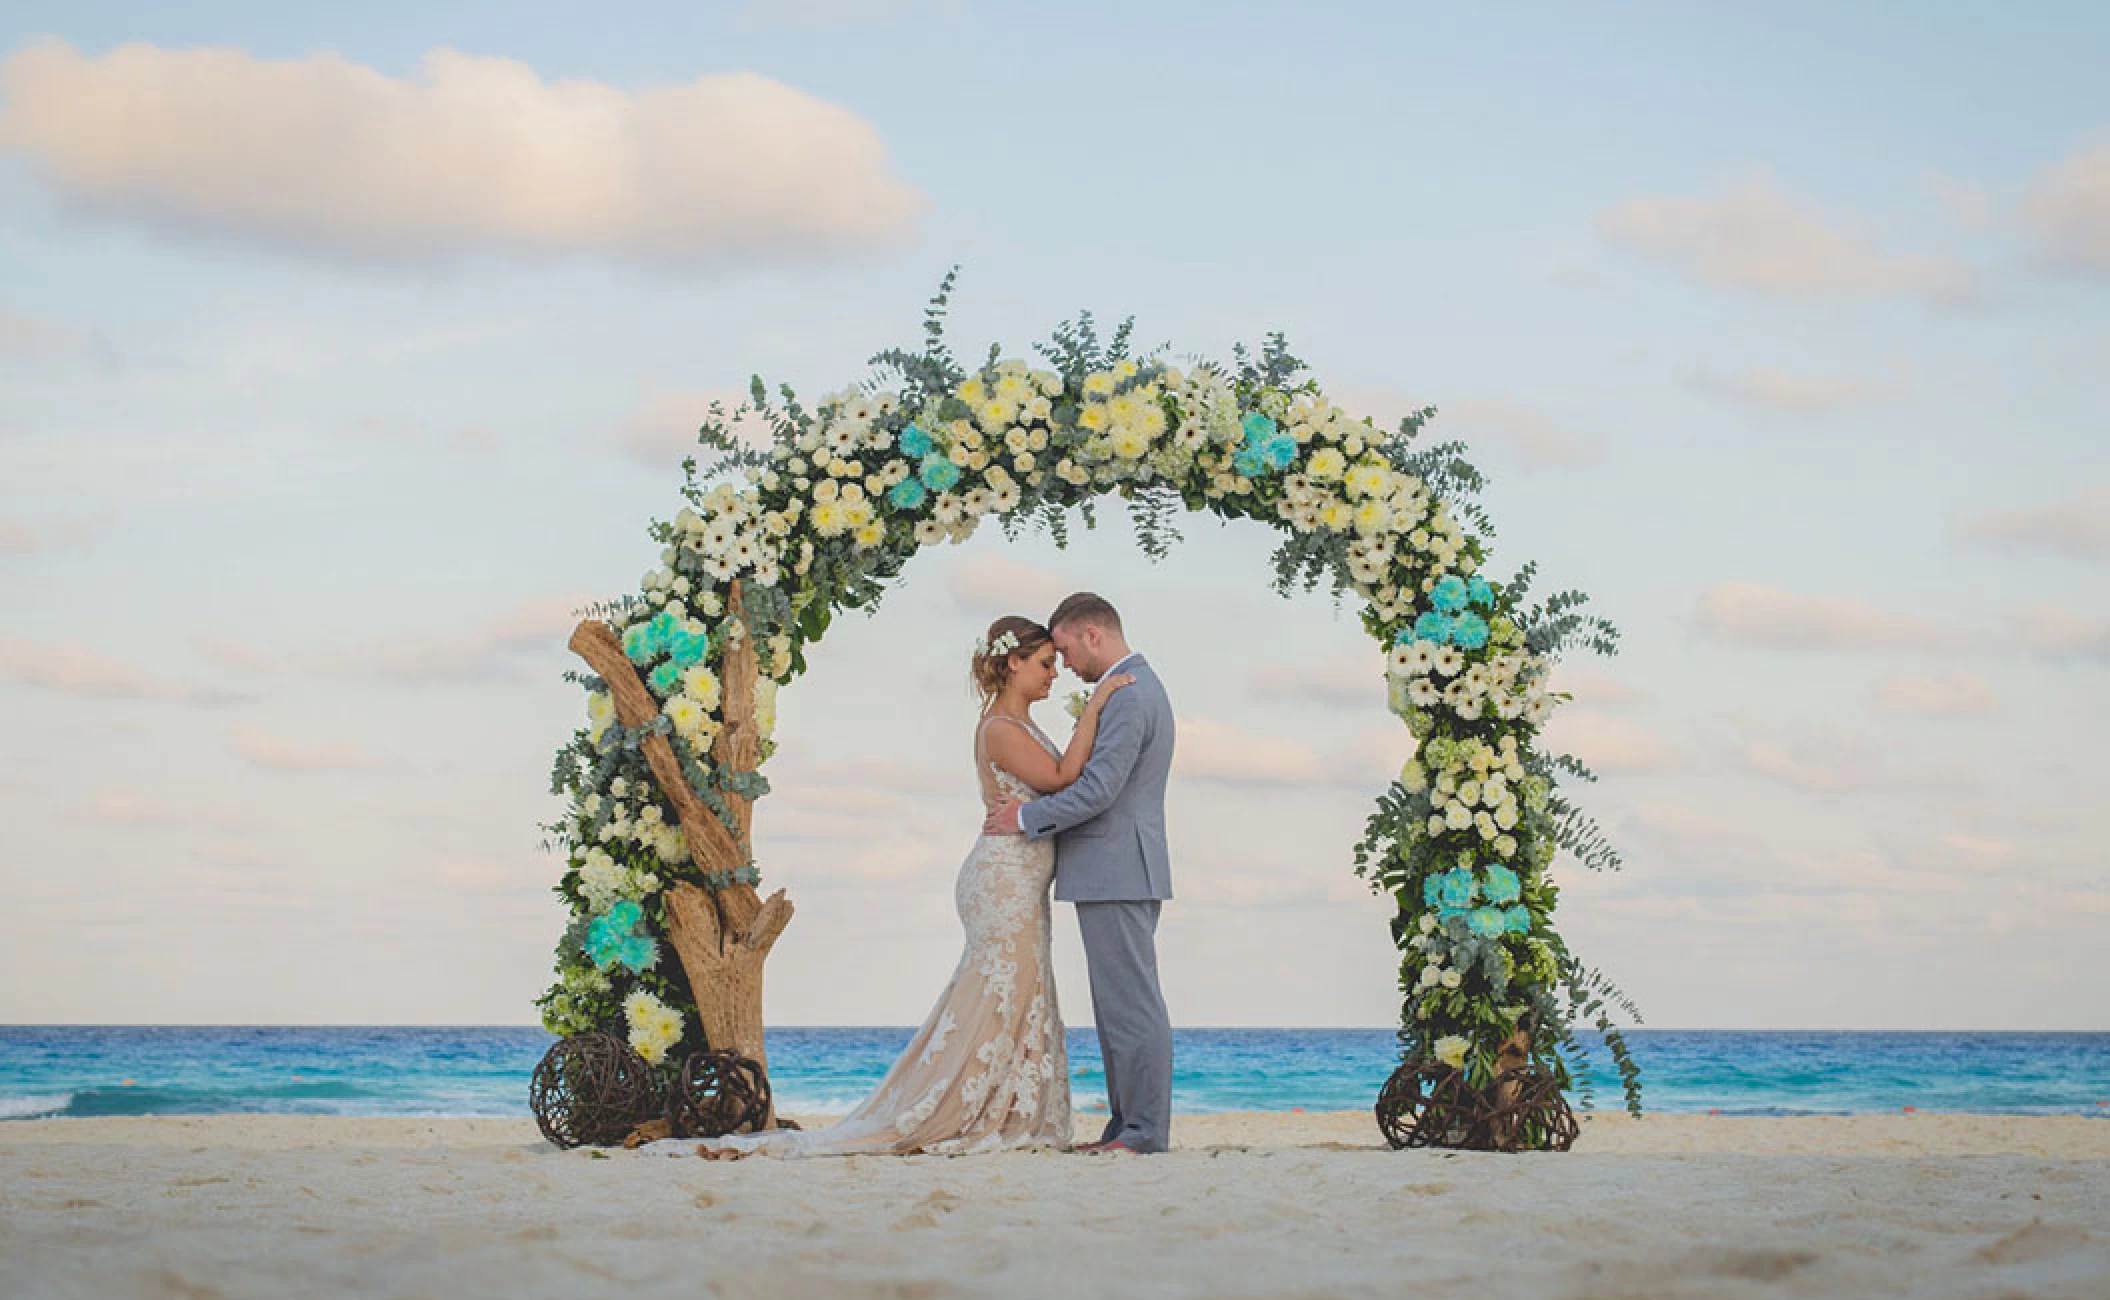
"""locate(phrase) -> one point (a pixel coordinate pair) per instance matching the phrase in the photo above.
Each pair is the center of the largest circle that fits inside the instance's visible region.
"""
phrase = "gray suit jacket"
(1110, 823)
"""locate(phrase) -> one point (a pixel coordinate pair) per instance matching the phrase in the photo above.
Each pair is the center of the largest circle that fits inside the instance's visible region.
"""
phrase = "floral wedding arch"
(772, 543)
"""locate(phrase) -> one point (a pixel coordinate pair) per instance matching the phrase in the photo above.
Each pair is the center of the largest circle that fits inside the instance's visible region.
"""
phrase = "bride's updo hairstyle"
(1009, 638)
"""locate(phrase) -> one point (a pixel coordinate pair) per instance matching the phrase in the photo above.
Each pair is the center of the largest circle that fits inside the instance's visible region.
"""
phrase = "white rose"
(1452, 979)
(1451, 1050)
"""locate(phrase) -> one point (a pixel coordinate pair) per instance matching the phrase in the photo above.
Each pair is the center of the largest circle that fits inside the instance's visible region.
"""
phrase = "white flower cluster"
(654, 1026)
(644, 824)
(1509, 686)
(1482, 789)
(733, 536)
(603, 881)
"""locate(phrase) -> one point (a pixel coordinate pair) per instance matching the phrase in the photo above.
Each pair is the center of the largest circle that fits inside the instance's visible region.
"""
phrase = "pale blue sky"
(1744, 313)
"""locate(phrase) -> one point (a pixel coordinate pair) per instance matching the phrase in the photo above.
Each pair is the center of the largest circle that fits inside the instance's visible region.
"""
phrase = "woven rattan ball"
(591, 1090)
(718, 1093)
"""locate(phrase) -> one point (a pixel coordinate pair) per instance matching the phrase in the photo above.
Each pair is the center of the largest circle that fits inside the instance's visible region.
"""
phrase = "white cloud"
(16, 539)
(1979, 850)
(264, 750)
(2068, 210)
(1592, 687)
(1540, 441)
(2078, 525)
(480, 652)
(1942, 695)
(32, 341)
(71, 668)
(1838, 764)
(130, 808)
(1754, 237)
(1356, 681)
(989, 584)
(1748, 613)
(1803, 394)
(1211, 750)
(661, 431)
(236, 656)
(1607, 741)
(323, 154)
(2064, 635)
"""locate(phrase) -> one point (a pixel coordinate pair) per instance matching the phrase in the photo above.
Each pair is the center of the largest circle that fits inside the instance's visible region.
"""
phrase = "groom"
(1111, 861)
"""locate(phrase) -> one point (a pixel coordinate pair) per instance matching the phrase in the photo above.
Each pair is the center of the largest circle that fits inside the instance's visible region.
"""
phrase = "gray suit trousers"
(1135, 1033)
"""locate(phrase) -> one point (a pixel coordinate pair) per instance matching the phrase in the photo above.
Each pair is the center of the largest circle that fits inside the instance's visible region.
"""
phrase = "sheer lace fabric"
(988, 1070)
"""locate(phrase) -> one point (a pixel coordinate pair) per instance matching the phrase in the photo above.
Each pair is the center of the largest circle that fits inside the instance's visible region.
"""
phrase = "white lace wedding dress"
(989, 1070)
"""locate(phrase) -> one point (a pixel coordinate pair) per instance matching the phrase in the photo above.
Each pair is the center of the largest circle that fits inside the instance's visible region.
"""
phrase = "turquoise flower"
(1249, 462)
(688, 648)
(916, 442)
(1517, 920)
(637, 643)
(1502, 885)
(1259, 427)
(609, 940)
(1487, 922)
(1449, 593)
(908, 494)
(1280, 450)
(666, 679)
(938, 473)
(1455, 890)
(1470, 631)
(1432, 626)
(1480, 592)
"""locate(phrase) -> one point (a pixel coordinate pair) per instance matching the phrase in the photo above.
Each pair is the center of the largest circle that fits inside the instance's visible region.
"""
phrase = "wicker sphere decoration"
(718, 1093)
(1429, 1104)
(591, 1090)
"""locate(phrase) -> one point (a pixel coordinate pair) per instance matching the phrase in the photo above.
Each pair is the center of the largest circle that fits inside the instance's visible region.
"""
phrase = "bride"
(988, 1071)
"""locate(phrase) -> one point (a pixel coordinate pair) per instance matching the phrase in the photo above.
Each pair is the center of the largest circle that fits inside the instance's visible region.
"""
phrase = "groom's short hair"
(1084, 607)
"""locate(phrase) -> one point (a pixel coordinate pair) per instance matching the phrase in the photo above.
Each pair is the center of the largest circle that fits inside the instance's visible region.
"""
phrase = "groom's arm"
(1114, 754)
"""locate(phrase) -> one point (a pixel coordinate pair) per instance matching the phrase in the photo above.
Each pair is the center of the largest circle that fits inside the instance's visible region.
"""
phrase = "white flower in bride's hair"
(1001, 644)
(1451, 1050)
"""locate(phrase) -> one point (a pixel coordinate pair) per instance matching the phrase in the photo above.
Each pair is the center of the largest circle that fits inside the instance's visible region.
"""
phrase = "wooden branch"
(711, 846)
(739, 745)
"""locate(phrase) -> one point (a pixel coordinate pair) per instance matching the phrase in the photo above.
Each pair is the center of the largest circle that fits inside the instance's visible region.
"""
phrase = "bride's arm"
(1018, 753)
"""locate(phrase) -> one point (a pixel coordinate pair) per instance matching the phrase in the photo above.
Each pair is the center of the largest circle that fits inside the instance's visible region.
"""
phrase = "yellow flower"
(1099, 385)
(1093, 417)
(1122, 408)
(701, 685)
(1327, 463)
(1129, 444)
(1366, 480)
(1336, 515)
(856, 514)
(869, 535)
(1013, 388)
(972, 391)
(996, 414)
(1372, 518)
(684, 713)
(828, 518)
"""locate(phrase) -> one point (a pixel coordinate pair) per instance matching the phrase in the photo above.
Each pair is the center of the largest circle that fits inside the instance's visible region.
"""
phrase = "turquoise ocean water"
(54, 1071)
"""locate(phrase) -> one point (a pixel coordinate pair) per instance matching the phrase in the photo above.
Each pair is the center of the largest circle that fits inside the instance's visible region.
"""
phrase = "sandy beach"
(1250, 1205)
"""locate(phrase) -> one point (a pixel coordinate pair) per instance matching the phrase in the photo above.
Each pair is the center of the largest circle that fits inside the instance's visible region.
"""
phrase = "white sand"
(1248, 1206)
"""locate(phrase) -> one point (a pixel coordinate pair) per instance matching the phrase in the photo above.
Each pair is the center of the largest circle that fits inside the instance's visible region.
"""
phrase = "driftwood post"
(722, 936)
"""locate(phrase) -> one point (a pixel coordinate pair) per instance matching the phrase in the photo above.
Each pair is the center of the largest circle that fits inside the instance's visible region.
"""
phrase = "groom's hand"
(1002, 819)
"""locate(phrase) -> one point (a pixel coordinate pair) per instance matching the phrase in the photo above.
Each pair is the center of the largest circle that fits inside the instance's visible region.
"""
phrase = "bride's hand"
(1107, 687)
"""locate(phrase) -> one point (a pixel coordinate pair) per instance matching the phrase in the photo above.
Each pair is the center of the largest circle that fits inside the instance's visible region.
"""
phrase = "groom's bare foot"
(722, 1153)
